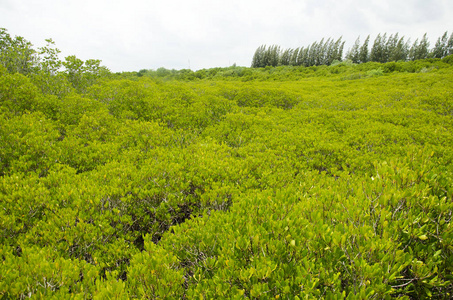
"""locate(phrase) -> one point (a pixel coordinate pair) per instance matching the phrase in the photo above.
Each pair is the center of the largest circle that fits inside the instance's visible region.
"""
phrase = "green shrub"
(289, 182)
(375, 72)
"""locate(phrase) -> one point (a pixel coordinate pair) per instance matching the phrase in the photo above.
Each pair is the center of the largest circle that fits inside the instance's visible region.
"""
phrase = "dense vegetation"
(326, 52)
(289, 182)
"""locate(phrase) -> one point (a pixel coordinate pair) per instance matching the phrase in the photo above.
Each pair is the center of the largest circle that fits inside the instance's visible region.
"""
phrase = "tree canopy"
(384, 49)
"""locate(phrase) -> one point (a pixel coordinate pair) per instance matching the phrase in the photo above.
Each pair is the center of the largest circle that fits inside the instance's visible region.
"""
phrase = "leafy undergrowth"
(332, 182)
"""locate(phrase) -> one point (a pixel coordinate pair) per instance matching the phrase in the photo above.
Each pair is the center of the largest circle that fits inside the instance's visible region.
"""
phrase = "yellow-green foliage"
(323, 182)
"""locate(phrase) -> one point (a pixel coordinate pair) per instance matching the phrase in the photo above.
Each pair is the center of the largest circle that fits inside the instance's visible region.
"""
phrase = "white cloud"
(135, 34)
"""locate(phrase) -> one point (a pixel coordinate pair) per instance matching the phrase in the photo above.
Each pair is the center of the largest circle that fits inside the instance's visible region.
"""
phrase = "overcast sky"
(129, 35)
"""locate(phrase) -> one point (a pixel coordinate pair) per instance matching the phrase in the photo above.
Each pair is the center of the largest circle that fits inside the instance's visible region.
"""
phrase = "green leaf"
(423, 237)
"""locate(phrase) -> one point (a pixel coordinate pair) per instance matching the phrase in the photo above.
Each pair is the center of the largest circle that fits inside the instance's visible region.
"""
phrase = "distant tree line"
(384, 49)
(318, 53)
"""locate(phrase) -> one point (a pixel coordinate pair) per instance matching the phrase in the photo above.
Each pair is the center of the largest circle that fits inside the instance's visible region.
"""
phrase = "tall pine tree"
(379, 51)
(353, 53)
(364, 52)
(441, 47)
